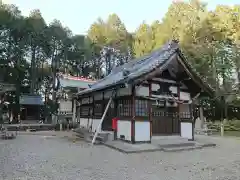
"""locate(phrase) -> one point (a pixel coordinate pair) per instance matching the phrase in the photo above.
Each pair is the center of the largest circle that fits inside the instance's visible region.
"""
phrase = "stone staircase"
(88, 136)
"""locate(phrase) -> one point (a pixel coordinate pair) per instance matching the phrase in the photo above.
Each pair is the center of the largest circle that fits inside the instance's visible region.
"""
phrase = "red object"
(114, 123)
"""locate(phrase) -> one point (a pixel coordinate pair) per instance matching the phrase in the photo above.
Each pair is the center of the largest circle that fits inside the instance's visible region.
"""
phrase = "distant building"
(30, 107)
(68, 86)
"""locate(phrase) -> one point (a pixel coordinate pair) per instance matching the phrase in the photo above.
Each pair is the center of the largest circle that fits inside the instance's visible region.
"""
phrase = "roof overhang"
(134, 78)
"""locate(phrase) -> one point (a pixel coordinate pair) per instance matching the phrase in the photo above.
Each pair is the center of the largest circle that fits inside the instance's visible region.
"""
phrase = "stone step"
(99, 138)
(31, 130)
(102, 136)
(178, 145)
(177, 149)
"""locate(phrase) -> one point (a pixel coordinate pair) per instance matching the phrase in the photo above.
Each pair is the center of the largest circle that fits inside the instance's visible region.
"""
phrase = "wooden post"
(192, 119)
(133, 115)
(179, 118)
(93, 107)
(74, 111)
(88, 112)
(80, 107)
(150, 109)
(115, 112)
(201, 116)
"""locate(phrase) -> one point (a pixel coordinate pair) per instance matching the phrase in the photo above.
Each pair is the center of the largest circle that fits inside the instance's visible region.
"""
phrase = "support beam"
(100, 124)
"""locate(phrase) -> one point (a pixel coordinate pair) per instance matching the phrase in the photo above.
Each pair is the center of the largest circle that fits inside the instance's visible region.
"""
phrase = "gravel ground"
(46, 158)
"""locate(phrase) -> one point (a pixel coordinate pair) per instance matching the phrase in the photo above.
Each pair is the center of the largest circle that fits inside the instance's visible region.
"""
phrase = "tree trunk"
(33, 73)
(201, 116)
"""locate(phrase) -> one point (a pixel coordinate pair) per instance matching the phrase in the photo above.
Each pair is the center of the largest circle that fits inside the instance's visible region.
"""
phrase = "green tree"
(143, 40)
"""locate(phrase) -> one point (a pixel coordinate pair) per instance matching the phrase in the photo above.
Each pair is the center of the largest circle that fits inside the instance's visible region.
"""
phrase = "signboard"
(4, 87)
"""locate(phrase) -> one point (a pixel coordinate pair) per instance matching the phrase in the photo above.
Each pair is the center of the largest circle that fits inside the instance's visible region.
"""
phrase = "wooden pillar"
(74, 111)
(93, 107)
(201, 115)
(103, 103)
(133, 115)
(88, 112)
(115, 101)
(78, 112)
(150, 109)
(178, 109)
(192, 119)
(80, 106)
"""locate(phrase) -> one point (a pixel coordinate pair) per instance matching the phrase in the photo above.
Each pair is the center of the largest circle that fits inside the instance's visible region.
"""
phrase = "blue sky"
(78, 15)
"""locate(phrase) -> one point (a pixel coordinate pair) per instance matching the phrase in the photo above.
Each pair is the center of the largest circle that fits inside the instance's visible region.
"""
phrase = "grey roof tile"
(74, 83)
(136, 67)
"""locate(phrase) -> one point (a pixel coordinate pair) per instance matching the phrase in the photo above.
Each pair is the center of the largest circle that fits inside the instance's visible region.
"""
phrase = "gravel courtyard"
(37, 157)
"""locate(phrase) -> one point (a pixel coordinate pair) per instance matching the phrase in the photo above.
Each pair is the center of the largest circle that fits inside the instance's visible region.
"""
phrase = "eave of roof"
(206, 87)
(148, 64)
(137, 67)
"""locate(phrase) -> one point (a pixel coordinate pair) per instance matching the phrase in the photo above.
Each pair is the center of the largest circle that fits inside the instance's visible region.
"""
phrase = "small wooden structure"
(152, 95)
(31, 105)
(68, 86)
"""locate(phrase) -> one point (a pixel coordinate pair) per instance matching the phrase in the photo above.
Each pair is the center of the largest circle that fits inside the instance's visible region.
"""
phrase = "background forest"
(30, 48)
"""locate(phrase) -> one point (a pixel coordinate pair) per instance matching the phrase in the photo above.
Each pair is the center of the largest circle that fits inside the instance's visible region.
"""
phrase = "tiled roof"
(74, 83)
(70, 81)
(138, 67)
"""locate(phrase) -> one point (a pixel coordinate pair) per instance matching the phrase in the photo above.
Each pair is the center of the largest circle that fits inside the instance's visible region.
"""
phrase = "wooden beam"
(164, 80)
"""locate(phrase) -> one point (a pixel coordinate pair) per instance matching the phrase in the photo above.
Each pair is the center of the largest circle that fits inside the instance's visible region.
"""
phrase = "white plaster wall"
(124, 128)
(186, 130)
(173, 89)
(142, 131)
(84, 122)
(185, 96)
(65, 105)
(93, 122)
(121, 92)
(142, 91)
(124, 91)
